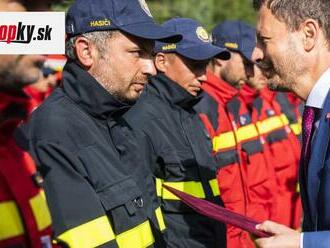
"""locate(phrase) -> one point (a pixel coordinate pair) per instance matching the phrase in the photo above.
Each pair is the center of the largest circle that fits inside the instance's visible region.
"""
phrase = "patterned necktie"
(307, 130)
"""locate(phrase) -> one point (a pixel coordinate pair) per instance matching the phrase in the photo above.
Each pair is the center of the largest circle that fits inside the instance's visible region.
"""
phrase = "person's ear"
(85, 51)
(161, 62)
(218, 62)
(218, 65)
(310, 30)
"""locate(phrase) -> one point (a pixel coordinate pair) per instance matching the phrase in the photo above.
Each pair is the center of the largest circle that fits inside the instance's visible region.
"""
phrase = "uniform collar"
(84, 90)
(215, 85)
(293, 99)
(248, 94)
(171, 91)
(268, 94)
(319, 92)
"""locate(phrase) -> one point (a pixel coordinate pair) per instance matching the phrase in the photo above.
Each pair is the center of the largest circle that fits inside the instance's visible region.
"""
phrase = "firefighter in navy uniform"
(165, 114)
(98, 185)
(24, 216)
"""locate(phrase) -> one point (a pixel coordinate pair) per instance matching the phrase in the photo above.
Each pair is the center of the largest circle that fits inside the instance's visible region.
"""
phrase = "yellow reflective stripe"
(296, 128)
(10, 221)
(139, 237)
(191, 187)
(215, 187)
(246, 132)
(269, 124)
(40, 210)
(160, 219)
(159, 187)
(224, 141)
(298, 188)
(284, 119)
(90, 234)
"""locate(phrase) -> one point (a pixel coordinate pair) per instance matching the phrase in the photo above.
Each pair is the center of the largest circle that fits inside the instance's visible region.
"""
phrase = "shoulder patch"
(245, 119)
(270, 112)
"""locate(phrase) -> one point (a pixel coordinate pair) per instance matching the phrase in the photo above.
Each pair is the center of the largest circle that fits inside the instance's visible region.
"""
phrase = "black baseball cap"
(236, 36)
(130, 16)
(195, 44)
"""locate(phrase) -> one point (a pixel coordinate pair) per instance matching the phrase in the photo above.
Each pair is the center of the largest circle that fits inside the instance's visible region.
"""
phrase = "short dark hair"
(99, 38)
(293, 12)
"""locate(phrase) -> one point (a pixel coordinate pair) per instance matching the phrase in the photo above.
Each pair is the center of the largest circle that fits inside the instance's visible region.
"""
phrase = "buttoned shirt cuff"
(301, 240)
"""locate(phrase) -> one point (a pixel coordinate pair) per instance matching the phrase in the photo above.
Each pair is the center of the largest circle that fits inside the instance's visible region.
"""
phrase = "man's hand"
(284, 237)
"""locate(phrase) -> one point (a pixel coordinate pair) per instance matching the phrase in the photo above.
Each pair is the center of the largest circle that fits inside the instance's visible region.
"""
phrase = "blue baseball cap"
(235, 36)
(195, 44)
(130, 16)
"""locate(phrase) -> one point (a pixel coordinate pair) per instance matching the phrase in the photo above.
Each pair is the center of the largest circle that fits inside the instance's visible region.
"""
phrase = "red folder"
(219, 213)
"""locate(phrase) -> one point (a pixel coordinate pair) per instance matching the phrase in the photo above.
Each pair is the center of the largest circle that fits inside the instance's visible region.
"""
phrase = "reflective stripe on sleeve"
(191, 187)
(296, 128)
(215, 187)
(160, 219)
(98, 232)
(227, 140)
(10, 221)
(139, 237)
(270, 124)
(284, 119)
(224, 141)
(246, 132)
(90, 234)
(40, 210)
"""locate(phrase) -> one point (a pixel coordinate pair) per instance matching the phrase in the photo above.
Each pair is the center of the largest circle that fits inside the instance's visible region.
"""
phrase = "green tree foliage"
(63, 6)
(208, 12)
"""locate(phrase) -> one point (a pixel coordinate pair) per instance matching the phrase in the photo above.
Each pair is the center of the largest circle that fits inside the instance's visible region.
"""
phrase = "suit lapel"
(304, 196)
(318, 154)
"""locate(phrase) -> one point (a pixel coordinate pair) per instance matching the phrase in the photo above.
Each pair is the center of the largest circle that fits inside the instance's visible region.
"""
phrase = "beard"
(17, 74)
(229, 78)
(276, 84)
(283, 70)
(118, 85)
(280, 77)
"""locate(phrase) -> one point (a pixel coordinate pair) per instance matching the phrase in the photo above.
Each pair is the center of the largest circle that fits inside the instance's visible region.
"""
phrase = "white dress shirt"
(316, 99)
(317, 96)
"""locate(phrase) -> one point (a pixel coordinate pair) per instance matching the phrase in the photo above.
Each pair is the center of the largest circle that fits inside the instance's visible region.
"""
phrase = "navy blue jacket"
(182, 159)
(315, 187)
(99, 187)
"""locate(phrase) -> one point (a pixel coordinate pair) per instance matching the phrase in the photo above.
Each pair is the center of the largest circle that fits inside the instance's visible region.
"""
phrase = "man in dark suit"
(293, 41)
